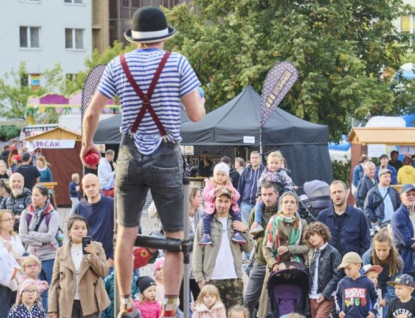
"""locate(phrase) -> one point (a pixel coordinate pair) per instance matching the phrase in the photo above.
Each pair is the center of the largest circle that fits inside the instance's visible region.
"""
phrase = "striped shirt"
(177, 80)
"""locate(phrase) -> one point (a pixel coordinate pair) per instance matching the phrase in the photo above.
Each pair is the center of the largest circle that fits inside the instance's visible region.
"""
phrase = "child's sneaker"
(238, 238)
(206, 240)
(257, 230)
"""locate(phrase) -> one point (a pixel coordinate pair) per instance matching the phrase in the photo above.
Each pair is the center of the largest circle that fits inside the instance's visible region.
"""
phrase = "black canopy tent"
(303, 144)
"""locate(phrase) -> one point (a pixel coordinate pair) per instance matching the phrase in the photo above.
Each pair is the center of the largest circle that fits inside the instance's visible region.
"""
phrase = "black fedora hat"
(149, 25)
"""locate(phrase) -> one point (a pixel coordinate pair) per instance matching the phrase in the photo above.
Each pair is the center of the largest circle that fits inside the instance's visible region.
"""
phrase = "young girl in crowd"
(219, 180)
(238, 311)
(324, 275)
(372, 272)
(28, 302)
(384, 254)
(4, 173)
(158, 276)
(44, 170)
(275, 173)
(209, 304)
(31, 267)
(147, 303)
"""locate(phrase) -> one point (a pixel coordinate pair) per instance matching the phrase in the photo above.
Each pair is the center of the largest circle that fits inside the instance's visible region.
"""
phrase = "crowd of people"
(244, 220)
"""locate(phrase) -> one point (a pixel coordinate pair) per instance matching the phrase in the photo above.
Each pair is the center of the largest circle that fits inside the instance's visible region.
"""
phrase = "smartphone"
(86, 240)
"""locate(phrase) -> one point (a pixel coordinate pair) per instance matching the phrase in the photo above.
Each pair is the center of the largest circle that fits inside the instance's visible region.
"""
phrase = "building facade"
(43, 33)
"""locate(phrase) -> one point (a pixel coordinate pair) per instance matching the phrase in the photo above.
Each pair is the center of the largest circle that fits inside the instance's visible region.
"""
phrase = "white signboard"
(249, 139)
(375, 150)
(53, 144)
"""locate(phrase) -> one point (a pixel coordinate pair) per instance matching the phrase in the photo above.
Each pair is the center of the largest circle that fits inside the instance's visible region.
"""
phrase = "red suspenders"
(146, 98)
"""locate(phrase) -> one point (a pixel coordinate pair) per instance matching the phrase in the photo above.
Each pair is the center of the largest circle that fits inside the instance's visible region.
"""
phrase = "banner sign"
(53, 144)
(29, 131)
(278, 82)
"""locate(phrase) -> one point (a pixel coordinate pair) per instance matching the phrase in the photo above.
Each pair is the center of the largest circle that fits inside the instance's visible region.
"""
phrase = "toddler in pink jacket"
(209, 304)
(147, 303)
(219, 180)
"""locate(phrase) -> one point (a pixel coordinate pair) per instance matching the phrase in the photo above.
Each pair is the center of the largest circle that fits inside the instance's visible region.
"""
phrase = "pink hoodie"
(149, 309)
(217, 311)
(208, 195)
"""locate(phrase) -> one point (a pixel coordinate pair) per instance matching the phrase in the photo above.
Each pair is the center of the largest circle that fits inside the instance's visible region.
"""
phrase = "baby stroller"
(288, 291)
(315, 199)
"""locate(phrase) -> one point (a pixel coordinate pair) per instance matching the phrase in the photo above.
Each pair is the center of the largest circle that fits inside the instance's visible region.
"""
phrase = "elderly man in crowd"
(19, 199)
(220, 264)
(365, 184)
(358, 172)
(348, 226)
(269, 195)
(383, 200)
(99, 211)
(403, 228)
(384, 164)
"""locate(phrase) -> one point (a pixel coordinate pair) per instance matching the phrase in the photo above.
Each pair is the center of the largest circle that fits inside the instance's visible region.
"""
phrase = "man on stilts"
(150, 84)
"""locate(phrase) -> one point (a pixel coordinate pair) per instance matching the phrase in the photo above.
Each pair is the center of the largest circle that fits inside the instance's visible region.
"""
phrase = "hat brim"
(128, 36)
(393, 283)
(374, 268)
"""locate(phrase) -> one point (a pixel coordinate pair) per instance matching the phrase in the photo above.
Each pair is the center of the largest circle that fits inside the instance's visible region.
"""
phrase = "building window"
(74, 39)
(29, 37)
(74, 1)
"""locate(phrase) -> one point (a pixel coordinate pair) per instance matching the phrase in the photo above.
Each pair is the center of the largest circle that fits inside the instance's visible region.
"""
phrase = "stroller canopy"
(316, 188)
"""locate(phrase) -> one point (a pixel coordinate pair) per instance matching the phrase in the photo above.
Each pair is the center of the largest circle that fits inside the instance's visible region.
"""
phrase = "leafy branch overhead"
(339, 47)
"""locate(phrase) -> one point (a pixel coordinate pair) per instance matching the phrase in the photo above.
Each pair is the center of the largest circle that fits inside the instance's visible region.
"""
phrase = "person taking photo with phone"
(77, 289)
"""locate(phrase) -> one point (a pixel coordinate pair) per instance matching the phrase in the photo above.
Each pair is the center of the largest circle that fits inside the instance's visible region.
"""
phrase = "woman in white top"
(11, 251)
(77, 289)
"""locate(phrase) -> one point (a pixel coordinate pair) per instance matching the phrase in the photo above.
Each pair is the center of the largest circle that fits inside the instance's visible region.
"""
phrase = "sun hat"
(350, 258)
(149, 25)
(222, 167)
(403, 279)
(372, 268)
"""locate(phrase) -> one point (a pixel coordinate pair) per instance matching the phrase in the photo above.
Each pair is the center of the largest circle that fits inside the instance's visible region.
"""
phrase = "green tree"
(339, 48)
(14, 94)
(8, 132)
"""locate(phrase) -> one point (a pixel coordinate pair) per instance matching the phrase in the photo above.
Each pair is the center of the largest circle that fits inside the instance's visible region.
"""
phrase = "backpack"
(59, 234)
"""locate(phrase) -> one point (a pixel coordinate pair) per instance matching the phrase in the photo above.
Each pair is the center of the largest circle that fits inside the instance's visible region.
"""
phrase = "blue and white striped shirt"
(177, 80)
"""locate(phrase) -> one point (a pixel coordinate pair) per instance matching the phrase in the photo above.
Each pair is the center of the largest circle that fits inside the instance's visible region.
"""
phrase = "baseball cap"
(407, 187)
(223, 191)
(384, 156)
(25, 156)
(350, 258)
(403, 279)
(369, 268)
(383, 171)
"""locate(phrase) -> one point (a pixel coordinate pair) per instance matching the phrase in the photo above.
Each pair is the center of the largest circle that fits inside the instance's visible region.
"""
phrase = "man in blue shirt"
(384, 164)
(150, 84)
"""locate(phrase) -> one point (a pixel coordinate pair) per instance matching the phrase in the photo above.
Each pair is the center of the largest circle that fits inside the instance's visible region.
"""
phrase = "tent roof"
(240, 117)
(58, 133)
(383, 135)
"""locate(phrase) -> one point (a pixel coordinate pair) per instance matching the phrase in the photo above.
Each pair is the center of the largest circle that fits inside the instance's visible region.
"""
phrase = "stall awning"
(382, 135)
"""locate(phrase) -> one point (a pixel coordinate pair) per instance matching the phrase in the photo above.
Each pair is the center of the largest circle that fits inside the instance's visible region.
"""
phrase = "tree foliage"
(8, 132)
(339, 47)
(14, 95)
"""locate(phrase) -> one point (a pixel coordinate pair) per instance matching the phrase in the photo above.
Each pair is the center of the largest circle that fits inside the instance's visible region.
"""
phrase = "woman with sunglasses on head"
(38, 228)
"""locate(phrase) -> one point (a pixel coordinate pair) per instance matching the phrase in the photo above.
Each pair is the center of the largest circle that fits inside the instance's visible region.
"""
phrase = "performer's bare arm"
(90, 124)
(195, 106)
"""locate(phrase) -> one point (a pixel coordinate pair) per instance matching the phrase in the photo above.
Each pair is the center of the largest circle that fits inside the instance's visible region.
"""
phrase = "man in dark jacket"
(348, 226)
(365, 184)
(19, 199)
(382, 201)
(403, 229)
(247, 186)
(269, 195)
(384, 164)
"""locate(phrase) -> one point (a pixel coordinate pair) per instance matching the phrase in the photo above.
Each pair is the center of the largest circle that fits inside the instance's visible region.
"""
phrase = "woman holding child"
(283, 242)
